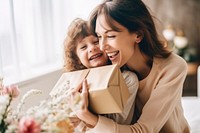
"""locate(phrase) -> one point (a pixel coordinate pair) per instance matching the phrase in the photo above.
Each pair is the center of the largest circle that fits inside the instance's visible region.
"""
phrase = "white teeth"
(95, 56)
(112, 54)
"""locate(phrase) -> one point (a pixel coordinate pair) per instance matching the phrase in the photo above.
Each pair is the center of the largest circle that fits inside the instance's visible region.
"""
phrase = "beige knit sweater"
(158, 101)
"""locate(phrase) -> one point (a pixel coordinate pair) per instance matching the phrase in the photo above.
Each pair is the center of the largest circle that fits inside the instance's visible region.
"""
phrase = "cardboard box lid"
(100, 77)
(72, 78)
(108, 92)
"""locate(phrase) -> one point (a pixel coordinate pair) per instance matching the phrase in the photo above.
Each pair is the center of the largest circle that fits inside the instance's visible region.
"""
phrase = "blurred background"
(179, 23)
(32, 34)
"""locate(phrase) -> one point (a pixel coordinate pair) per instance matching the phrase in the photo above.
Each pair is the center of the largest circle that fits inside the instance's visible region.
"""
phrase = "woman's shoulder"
(173, 63)
(176, 58)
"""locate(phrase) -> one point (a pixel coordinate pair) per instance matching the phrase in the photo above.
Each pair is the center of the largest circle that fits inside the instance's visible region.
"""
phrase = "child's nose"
(93, 48)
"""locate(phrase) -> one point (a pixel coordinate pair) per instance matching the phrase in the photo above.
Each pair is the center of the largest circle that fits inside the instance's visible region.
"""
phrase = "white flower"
(29, 93)
(2, 110)
(11, 129)
(4, 99)
(48, 113)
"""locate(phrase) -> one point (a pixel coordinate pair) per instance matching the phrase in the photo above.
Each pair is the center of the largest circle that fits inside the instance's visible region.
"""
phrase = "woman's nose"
(103, 45)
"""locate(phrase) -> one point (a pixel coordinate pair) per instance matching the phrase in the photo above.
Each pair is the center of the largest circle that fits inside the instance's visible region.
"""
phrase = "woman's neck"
(140, 64)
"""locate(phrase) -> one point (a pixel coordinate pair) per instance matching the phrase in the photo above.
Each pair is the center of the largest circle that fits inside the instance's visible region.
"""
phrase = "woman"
(127, 34)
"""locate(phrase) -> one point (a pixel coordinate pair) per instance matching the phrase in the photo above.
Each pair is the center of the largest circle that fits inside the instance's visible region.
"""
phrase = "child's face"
(89, 53)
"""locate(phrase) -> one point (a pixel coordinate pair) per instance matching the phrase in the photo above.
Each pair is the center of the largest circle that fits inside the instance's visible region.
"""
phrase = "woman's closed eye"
(111, 36)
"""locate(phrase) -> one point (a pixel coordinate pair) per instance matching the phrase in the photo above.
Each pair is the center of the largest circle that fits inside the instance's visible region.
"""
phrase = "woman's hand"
(79, 104)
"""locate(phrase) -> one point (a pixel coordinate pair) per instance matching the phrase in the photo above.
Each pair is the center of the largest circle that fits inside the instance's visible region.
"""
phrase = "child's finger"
(85, 86)
(74, 90)
(84, 94)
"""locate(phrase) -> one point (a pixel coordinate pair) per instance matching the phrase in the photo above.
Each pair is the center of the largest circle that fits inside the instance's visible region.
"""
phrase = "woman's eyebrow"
(106, 31)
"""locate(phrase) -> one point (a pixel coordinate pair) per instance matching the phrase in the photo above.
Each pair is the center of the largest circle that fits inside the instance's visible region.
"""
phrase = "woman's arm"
(162, 106)
(156, 112)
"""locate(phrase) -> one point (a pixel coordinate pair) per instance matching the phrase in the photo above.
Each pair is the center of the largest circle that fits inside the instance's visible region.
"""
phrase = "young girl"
(82, 48)
(82, 51)
(127, 34)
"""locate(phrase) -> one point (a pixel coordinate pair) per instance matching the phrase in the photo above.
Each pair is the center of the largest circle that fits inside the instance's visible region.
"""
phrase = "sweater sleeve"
(164, 104)
(157, 110)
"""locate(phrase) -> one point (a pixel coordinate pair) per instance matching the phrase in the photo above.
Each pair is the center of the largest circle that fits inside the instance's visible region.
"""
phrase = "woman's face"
(89, 53)
(119, 46)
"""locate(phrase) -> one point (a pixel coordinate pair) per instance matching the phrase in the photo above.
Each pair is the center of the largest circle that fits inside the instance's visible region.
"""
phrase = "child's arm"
(126, 116)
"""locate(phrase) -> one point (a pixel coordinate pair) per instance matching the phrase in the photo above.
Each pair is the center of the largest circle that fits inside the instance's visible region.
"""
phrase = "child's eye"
(96, 42)
(83, 47)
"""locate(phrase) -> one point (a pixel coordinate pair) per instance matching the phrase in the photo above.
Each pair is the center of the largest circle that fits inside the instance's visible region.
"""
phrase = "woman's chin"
(116, 63)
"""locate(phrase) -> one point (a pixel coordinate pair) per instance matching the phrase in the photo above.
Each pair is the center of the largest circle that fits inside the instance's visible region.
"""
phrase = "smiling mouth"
(95, 56)
(112, 54)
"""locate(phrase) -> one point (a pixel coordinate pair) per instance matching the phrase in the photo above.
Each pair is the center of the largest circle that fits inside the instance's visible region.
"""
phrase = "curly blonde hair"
(77, 31)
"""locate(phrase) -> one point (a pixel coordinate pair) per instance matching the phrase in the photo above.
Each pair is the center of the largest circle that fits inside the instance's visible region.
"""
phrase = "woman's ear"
(139, 36)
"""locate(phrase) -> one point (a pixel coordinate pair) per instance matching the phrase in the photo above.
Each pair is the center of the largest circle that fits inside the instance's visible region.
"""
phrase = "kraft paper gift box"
(108, 92)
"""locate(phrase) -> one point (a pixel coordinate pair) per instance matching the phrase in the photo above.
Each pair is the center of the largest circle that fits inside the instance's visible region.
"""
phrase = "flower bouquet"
(51, 115)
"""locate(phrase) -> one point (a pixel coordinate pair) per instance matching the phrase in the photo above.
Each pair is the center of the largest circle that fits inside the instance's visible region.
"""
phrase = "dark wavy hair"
(134, 15)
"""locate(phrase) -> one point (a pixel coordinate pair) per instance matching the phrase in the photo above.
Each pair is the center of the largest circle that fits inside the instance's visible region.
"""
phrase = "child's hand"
(79, 98)
(75, 121)
(81, 107)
